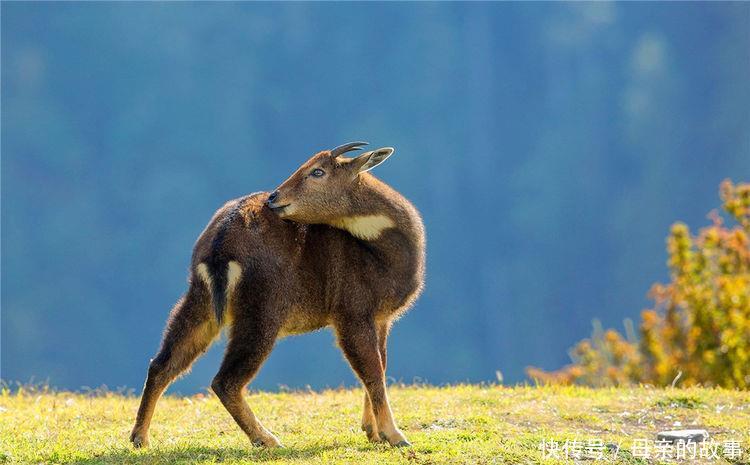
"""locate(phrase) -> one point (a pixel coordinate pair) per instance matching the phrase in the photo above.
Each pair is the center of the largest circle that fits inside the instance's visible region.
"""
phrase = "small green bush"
(698, 331)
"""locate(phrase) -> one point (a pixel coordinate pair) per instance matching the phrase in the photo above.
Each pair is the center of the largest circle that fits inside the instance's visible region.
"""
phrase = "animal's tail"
(223, 278)
(219, 291)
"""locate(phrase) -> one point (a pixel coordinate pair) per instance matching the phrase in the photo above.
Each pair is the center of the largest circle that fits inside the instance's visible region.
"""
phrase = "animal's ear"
(370, 160)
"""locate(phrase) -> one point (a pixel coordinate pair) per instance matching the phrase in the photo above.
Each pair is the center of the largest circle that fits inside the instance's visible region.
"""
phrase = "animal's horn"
(342, 149)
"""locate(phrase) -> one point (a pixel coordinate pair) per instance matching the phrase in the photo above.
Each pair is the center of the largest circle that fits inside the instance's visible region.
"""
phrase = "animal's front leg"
(369, 423)
(359, 341)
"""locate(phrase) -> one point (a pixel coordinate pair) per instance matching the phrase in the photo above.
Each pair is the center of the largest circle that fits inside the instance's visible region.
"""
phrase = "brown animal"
(332, 246)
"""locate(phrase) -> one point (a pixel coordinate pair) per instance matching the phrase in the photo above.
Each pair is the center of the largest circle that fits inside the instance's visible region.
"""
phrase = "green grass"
(458, 424)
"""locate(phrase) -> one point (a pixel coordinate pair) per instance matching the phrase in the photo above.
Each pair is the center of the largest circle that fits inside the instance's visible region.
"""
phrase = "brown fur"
(300, 271)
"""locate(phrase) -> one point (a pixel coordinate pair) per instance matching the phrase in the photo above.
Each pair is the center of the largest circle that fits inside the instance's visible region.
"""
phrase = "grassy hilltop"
(458, 424)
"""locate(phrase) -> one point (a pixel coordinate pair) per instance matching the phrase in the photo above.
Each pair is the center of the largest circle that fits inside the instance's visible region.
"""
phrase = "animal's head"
(320, 190)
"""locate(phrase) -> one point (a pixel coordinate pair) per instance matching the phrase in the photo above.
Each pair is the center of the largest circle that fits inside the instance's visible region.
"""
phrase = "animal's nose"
(273, 196)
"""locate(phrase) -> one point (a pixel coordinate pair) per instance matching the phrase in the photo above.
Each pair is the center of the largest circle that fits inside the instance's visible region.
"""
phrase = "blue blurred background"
(548, 146)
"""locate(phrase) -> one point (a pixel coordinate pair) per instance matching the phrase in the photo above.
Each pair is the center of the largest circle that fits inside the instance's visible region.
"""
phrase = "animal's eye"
(317, 173)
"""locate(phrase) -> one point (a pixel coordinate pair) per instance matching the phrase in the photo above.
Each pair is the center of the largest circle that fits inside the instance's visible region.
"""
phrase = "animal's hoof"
(269, 441)
(138, 440)
(397, 439)
(372, 436)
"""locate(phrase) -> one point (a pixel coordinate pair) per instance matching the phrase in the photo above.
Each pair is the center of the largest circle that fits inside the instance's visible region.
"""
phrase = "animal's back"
(242, 237)
(242, 227)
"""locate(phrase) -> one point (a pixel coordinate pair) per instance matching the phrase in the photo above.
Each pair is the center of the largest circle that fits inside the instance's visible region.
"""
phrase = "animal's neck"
(366, 227)
(390, 233)
(377, 210)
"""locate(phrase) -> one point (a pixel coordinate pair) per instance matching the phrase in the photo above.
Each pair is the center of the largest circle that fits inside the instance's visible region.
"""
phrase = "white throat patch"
(366, 227)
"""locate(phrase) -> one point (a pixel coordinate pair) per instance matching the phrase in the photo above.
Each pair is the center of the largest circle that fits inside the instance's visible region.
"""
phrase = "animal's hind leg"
(190, 330)
(251, 340)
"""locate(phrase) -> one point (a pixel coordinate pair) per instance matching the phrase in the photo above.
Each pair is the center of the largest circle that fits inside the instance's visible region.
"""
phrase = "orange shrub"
(699, 327)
